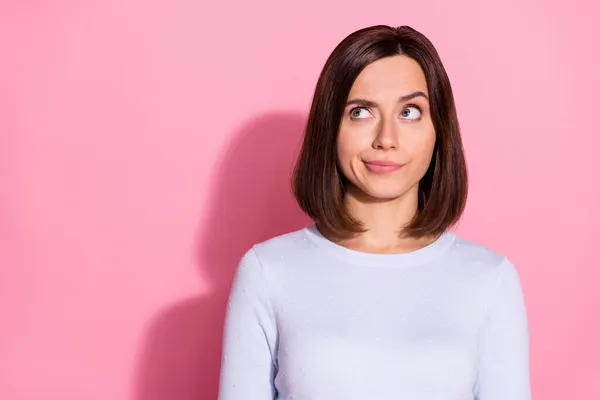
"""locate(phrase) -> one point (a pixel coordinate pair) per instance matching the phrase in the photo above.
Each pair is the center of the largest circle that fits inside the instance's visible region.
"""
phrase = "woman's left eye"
(411, 112)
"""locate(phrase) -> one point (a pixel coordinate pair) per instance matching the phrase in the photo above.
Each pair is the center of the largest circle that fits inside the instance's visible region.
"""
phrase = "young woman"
(378, 299)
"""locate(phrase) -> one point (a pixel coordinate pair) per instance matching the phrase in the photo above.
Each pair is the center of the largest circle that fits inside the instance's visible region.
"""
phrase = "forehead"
(390, 76)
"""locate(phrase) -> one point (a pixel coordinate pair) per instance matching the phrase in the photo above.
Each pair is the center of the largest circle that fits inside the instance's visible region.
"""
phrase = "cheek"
(423, 148)
(349, 146)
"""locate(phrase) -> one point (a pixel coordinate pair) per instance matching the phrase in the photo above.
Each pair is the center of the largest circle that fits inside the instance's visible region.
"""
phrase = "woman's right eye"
(355, 113)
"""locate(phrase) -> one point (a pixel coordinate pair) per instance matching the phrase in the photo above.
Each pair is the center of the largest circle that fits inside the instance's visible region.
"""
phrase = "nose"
(387, 136)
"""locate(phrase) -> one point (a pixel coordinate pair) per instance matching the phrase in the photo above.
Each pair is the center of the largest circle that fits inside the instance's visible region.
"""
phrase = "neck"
(384, 221)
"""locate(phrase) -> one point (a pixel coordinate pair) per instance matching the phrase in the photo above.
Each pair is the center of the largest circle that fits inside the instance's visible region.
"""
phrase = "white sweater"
(309, 319)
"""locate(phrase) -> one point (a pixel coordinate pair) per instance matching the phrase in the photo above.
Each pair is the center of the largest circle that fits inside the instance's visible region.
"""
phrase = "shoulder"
(278, 249)
(481, 259)
(484, 261)
(259, 262)
(471, 251)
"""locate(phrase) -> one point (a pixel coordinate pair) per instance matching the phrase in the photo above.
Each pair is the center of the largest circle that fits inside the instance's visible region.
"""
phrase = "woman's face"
(386, 136)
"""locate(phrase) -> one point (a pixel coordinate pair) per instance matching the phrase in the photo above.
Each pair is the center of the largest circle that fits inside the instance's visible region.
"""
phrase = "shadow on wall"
(180, 359)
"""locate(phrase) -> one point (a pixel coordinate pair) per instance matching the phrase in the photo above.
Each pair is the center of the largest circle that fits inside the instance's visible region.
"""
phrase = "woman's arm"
(250, 335)
(504, 343)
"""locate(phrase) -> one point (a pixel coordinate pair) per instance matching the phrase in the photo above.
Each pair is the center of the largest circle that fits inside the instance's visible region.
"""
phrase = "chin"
(386, 196)
(383, 192)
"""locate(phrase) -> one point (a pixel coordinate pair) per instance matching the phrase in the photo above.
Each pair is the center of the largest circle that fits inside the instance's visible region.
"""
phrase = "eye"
(355, 113)
(411, 112)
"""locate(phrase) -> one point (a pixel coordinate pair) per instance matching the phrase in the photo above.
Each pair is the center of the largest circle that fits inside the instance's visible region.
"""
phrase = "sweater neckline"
(415, 257)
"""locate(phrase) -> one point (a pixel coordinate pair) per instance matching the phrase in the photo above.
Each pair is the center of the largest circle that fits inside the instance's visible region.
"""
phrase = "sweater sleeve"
(503, 372)
(248, 363)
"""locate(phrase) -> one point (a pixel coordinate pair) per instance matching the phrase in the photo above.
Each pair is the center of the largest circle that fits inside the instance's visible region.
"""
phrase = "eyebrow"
(370, 103)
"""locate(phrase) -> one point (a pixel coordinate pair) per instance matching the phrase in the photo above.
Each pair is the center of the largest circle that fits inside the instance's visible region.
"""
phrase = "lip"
(382, 166)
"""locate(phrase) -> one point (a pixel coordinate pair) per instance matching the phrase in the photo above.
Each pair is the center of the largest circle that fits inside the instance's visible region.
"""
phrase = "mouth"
(382, 167)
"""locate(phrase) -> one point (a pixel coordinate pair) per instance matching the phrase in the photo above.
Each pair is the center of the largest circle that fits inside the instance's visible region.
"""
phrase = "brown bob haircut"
(319, 185)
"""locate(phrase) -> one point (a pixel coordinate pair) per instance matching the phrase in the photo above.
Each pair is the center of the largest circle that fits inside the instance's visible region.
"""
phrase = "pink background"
(146, 144)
